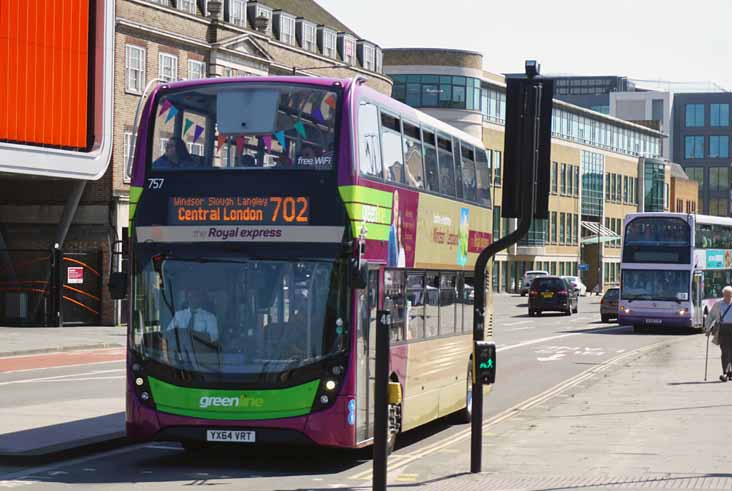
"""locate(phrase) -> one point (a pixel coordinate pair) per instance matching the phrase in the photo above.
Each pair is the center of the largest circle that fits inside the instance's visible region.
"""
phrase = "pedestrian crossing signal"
(484, 363)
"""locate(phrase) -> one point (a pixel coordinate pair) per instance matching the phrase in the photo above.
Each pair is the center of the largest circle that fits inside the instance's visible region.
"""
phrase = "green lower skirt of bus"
(233, 404)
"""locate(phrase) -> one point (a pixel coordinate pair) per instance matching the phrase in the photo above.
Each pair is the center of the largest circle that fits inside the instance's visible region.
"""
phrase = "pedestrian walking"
(719, 326)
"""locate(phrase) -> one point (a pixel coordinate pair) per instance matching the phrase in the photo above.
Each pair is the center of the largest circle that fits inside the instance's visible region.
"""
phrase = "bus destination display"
(239, 210)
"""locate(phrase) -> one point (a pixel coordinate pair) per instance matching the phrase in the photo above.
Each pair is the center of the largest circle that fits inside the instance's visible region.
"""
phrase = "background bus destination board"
(239, 210)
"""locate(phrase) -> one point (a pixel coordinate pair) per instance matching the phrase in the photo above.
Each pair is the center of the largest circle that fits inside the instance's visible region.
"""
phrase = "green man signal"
(484, 362)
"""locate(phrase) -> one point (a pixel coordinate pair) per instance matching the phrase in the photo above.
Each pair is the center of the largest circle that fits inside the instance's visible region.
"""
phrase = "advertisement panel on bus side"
(406, 228)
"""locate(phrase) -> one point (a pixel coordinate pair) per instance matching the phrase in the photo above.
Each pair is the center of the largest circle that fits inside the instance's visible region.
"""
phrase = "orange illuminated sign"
(269, 210)
(48, 72)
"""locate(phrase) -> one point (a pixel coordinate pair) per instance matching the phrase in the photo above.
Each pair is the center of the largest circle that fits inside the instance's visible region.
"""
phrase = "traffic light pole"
(476, 437)
(529, 153)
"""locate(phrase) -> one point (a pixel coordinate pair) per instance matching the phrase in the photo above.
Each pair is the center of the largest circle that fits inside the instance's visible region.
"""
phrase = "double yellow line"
(402, 460)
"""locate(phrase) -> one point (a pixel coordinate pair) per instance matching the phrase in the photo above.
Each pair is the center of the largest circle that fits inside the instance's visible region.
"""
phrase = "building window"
(129, 150)
(379, 61)
(287, 29)
(329, 43)
(625, 189)
(719, 179)
(554, 227)
(694, 147)
(555, 165)
(496, 167)
(576, 181)
(135, 69)
(196, 70)
(168, 69)
(593, 168)
(561, 229)
(188, 6)
(308, 37)
(719, 115)
(718, 207)
(369, 59)
(657, 109)
(563, 181)
(694, 115)
(496, 222)
(238, 12)
(349, 50)
(719, 147)
(697, 174)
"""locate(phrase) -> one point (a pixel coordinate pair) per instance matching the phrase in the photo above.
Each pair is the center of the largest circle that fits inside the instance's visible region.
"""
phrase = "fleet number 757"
(155, 183)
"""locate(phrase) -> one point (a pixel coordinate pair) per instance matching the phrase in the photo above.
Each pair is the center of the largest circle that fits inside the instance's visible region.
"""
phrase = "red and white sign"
(74, 274)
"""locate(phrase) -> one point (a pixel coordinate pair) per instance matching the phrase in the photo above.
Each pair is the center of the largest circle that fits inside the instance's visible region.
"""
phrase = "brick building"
(164, 40)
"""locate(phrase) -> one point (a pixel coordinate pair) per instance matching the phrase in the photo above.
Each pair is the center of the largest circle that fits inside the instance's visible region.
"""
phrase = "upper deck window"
(657, 232)
(245, 126)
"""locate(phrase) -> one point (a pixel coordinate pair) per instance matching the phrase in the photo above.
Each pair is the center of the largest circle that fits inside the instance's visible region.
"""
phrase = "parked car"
(552, 293)
(609, 304)
(528, 278)
(577, 284)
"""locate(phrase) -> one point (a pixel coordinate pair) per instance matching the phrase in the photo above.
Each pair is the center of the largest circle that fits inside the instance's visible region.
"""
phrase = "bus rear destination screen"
(235, 210)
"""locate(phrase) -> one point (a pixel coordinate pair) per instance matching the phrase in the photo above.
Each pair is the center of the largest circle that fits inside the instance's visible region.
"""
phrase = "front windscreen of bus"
(242, 318)
(643, 284)
(657, 240)
(245, 126)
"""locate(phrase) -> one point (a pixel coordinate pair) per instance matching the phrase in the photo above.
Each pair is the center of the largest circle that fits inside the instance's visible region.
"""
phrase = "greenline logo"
(241, 401)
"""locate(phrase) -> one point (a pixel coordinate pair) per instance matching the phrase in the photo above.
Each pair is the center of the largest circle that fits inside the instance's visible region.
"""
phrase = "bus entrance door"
(696, 299)
(368, 304)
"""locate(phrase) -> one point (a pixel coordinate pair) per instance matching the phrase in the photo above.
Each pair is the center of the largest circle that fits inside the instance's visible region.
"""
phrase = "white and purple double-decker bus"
(270, 219)
(674, 267)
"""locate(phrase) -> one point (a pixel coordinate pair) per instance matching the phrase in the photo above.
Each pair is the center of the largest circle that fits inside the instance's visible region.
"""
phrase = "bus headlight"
(624, 309)
(684, 312)
(330, 385)
(139, 381)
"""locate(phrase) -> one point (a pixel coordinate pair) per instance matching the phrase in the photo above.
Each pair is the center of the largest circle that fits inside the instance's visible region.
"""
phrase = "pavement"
(16, 341)
(63, 391)
(650, 421)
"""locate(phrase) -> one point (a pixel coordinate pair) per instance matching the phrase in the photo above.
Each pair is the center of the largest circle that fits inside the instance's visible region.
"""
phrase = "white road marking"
(556, 357)
(515, 323)
(559, 336)
(520, 328)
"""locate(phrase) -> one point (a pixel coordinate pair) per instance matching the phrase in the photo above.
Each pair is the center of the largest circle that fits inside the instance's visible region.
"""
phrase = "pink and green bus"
(270, 219)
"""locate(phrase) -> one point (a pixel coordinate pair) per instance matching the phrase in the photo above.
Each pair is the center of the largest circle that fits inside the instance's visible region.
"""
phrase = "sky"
(670, 40)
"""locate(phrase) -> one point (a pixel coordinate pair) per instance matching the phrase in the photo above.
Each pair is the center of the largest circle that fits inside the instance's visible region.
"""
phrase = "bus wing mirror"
(359, 274)
(118, 285)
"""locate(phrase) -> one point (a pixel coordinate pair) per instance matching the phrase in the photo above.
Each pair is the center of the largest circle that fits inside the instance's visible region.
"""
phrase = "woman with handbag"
(719, 325)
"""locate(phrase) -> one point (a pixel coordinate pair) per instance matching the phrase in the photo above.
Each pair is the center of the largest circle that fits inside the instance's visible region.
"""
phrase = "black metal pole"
(529, 152)
(381, 412)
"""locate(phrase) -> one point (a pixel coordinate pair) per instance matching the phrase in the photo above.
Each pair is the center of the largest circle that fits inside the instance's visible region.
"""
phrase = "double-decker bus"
(270, 219)
(674, 267)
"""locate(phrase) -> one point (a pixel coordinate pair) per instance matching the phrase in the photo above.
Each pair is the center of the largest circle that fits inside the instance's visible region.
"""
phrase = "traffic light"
(527, 146)
(484, 362)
